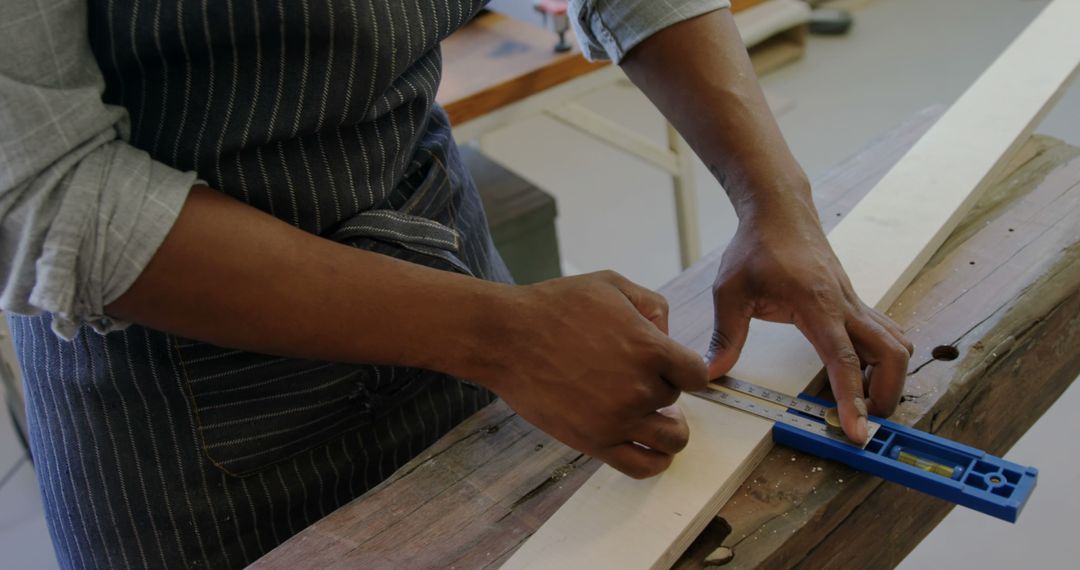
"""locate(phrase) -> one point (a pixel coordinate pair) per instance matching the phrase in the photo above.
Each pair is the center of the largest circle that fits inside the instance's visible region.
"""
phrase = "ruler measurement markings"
(718, 392)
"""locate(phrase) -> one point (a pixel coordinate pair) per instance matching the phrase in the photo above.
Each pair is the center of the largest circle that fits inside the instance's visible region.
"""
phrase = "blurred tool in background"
(556, 11)
(830, 21)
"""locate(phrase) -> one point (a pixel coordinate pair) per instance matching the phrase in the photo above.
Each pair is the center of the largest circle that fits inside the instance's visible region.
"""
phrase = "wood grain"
(617, 521)
(999, 290)
(546, 473)
(557, 471)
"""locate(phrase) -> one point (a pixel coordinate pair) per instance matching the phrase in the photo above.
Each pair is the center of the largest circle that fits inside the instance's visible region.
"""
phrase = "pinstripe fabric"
(314, 111)
(128, 478)
(156, 451)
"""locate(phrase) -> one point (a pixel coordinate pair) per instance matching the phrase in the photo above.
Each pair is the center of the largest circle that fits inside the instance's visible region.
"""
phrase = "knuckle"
(611, 276)
(640, 394)
(656, 348)
(823, 294)
(674, 440)
(720, 341)
(827, 300)
(661, 302)
(670, 396)
(847, 358)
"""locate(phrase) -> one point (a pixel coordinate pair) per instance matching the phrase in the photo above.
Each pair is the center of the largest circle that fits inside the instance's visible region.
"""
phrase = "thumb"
(731, 325)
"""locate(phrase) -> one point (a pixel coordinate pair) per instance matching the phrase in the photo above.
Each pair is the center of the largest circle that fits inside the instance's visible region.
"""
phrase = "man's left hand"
(781, 268)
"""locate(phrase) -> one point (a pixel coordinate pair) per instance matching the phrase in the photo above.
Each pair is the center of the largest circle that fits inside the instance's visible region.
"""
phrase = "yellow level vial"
(925, 465)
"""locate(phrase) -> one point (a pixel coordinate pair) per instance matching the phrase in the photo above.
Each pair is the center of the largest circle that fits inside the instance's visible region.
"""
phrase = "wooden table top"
(1004, 290)
(496, 60)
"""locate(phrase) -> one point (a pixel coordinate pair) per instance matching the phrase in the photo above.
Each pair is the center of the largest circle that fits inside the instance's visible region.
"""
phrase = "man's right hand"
(588, 360)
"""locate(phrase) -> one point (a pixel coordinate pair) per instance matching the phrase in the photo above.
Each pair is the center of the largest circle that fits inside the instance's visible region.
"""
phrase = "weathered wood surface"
(472, 498)
(1002, 292)
(496, 60)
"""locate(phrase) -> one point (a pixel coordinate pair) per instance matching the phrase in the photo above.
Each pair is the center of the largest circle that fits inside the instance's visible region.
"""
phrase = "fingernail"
(861, 429)
(860, 406)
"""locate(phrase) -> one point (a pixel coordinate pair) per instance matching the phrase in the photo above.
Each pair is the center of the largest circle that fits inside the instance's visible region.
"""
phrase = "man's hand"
(588, 360)
(779, 266)
(782, 269)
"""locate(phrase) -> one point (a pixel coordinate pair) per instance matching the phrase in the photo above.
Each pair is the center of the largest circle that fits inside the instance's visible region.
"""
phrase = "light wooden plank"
(614, 521)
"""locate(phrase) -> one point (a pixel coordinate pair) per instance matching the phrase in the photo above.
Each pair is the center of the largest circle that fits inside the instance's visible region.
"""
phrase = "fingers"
(893, 329)
(656, 440)
(680, 366)
(665, 431)
(889, 357)
(654, 395)
(652, 305)
(636, 461)
(730, 327)
(833, 344)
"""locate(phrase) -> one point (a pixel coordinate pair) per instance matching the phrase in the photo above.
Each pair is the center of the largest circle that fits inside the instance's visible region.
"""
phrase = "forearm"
(230, 274)
(779, 266)
(698, 74)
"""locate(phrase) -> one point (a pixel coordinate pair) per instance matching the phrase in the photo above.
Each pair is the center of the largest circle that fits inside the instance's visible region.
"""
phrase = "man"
(253, 277)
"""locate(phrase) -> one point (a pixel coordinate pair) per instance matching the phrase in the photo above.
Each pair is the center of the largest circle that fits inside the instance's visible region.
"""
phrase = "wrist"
(476, 340)
(779, 208)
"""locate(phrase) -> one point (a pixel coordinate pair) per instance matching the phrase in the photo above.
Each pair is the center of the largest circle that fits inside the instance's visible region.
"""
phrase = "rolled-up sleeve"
(609, 29)
(81, 210)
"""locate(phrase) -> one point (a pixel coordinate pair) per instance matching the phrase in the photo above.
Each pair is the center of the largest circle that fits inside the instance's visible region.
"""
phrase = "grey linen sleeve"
(81, 211)
(611, 28)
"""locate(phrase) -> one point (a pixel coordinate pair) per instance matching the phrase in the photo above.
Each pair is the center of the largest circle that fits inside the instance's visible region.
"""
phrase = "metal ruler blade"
(754, 405)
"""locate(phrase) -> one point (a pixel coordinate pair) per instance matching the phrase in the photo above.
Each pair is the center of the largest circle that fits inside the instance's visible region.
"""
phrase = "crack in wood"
(464, 477)
(558, 474)
(484, 430)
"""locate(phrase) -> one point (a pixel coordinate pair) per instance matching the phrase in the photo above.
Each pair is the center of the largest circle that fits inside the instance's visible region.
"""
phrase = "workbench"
(995, 317)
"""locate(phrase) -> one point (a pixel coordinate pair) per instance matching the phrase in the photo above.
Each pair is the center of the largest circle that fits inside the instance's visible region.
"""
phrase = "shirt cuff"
(611, 28)
(117, 208)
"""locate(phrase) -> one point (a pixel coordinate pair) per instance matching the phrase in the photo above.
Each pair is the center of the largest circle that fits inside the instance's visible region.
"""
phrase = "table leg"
(686, 208)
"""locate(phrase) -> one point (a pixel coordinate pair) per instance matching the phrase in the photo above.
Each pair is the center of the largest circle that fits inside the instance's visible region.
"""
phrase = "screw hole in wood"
(945, 352)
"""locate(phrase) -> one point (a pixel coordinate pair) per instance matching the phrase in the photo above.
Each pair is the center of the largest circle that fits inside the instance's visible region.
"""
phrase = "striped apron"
(158, 451)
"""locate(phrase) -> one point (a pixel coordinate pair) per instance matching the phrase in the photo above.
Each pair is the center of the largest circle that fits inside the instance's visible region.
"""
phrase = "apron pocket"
(254, 410)
(422, 223)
